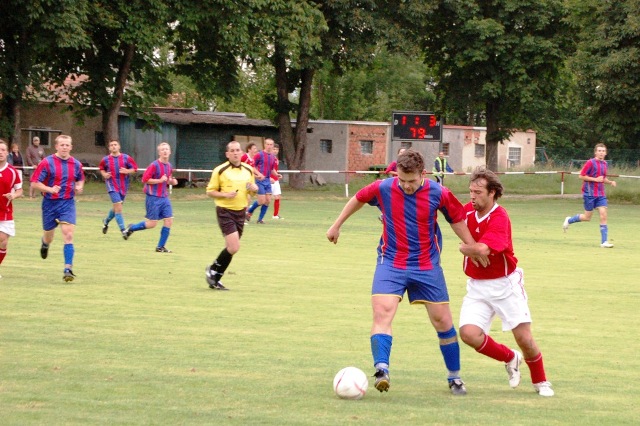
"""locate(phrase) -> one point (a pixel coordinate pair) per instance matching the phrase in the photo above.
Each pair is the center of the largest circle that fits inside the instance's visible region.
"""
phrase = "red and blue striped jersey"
(264, 163)
(594, 168)
(53, 170)
(411, 236)
(118, 182)
(156, 170)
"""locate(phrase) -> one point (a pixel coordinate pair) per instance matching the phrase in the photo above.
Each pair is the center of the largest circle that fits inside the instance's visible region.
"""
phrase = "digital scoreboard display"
(416, 126)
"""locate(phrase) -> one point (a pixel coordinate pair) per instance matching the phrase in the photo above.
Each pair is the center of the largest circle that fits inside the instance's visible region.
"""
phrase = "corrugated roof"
(182, 116)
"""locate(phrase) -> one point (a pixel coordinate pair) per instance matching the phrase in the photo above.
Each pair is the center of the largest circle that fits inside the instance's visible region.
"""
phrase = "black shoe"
(213, 279)
(382, 380)
(457, 387)
(163, 249)
(127, 232)
(68, 275)
(105, 226)
(44, 250)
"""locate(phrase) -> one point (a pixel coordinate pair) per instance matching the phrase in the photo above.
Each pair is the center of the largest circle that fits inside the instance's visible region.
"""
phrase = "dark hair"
(493, 183)
(249, 146)
(410, 161)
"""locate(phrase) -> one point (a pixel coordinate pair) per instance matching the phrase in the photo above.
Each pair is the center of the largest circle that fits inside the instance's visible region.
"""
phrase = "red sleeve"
(451, 207)
(148, 173)
(498, 234)
(102, 165)
(369, 192)
(586, 168)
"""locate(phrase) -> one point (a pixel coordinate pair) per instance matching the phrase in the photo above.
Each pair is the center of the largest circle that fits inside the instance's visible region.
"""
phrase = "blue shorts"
(57, 211)
(158, 208)
(264, 186)
(421, 286)
(591, 202)
(116, 197)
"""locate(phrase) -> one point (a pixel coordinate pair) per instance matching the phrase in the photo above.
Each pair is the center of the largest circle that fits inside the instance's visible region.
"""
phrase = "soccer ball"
(350, 383)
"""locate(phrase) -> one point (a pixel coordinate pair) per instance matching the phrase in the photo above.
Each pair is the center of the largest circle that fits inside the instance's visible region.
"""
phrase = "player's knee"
(472, 336)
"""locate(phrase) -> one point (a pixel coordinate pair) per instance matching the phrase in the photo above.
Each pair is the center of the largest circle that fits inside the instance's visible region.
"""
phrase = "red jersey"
(494, 230)
(246, 158)
(9, 180)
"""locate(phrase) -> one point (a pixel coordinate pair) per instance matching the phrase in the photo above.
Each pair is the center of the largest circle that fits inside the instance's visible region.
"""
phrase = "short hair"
(410, 161)
(229, 145)
(114, 140)
(13, 145)
(275, 145)
(35, 138)
(599, 145)
(4, 142)
(493, 183)
(60, 137)
(249, 146)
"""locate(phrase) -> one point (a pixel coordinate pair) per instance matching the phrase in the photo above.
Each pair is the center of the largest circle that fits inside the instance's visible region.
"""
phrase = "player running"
(10, 189)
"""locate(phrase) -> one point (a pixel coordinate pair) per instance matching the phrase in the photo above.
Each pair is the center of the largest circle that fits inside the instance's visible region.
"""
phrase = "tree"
(607, 66)
(392, 81)
(121, 65)
(494, 59)
(29, 32)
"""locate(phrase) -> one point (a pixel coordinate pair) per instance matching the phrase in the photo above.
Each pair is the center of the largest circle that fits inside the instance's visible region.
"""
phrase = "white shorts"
(504, 297)
(8, 227)
(275, 188)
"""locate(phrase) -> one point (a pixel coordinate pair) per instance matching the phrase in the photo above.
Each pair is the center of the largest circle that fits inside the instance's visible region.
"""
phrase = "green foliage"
(392, 81)
(608, 67)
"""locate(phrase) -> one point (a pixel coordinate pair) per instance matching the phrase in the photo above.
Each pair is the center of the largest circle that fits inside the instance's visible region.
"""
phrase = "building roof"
(186, 116)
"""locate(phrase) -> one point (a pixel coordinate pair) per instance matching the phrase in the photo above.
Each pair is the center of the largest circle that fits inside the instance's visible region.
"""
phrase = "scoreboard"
(416, 126)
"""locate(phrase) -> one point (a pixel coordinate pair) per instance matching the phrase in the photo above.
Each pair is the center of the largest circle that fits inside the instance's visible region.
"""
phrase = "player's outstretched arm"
(352, 206)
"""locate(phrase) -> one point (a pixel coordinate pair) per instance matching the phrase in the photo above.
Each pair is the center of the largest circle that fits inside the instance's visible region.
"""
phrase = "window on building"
(366, 147)
(406, 145)
(445, 148)
(326, 146)
(515, 156)
(479, 150)
(45, 137)
(99, 139)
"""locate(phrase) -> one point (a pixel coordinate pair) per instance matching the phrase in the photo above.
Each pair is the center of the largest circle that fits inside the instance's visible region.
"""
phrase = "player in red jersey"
(392, 168)
(276, 190)
(10, 189)
(498, 288)
(409, 259)
(594, 178)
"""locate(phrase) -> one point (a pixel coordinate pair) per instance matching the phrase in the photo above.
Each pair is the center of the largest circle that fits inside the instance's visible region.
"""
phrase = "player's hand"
(79, 189)
(124, 170)
(480, 261)
(232, 194)
(107, 175)
(333, 234)
(9, 196)
(613, 183)
(164, 178)
(599, 179)
(54, 189)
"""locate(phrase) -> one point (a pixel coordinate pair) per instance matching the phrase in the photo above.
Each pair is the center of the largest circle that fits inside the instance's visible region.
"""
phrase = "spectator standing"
(34, 155)
(440, 166)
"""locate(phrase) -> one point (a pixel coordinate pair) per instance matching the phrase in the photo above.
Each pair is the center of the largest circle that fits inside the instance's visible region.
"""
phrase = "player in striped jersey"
(265, 163)
(157, 178)
(10, 189)
(116, 169)
(496, 289)
(59, 177)
(409, 258)
(594, 177)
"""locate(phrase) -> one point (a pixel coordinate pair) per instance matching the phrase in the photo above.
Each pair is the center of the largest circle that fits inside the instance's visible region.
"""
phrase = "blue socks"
(574, 219)
(263, 211)
(119, 221)
(603, 232)
(381, 350)
(110, 216)
(164, 236)
(450, 352)
(68, 254)
(253, 207)
(138, 226)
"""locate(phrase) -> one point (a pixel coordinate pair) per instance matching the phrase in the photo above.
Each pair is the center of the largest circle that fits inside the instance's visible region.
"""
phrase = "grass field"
(138, 338)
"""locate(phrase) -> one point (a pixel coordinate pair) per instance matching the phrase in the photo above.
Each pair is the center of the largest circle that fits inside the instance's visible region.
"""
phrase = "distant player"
(10, 189)
(392, 168)
(409, 259)
(265, 163)
(594, 177)
(276, 190)
(157, 178)
(229, 185)
(116, 168)
(497, 289)
(59, 176)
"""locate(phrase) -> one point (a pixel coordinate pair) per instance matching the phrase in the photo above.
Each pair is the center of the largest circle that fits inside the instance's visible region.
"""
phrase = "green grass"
(138, 338)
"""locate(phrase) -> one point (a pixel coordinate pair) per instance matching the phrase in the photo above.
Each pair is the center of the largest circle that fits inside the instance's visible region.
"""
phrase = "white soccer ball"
(350, 383)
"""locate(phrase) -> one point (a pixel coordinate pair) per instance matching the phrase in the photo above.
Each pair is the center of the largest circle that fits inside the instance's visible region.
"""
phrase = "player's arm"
(610, 182)
(352, 206)
(479, 258)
